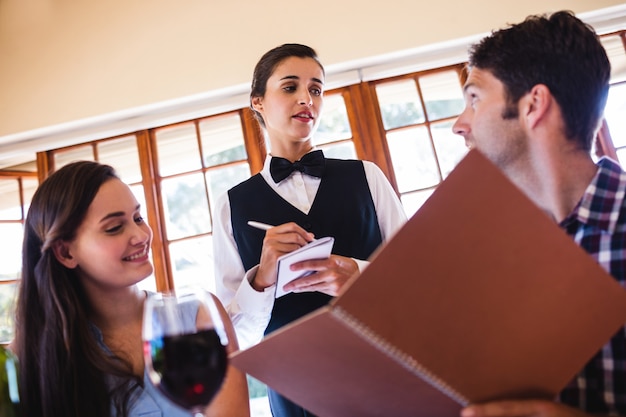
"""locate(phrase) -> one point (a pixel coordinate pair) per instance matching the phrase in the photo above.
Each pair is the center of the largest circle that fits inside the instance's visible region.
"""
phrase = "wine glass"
(185, 347)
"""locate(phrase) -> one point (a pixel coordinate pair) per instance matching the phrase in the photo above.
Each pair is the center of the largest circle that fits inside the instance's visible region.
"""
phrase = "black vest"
(343, 208)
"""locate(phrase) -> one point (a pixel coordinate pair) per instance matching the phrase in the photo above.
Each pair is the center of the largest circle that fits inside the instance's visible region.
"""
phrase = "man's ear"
(538, 103)
(61, 251)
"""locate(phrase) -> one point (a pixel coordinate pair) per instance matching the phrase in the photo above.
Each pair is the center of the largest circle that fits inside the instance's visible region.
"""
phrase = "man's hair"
(559, 51)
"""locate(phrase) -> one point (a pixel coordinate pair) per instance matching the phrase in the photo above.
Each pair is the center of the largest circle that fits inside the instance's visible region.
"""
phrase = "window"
(417, 114)
(197, 162)
(613, 133)
(16, 189)
(334, 134)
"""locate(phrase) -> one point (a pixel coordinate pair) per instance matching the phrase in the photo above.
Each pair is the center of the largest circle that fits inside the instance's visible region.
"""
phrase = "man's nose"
(460, 126)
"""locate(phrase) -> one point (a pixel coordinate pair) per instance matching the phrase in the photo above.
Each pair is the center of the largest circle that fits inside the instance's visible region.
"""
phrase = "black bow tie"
(312, 164)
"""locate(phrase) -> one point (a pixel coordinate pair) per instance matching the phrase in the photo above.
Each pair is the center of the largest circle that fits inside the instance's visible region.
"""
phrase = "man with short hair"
(535, 97)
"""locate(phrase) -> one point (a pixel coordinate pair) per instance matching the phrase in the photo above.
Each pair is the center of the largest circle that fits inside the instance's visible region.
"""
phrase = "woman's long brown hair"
(64, 372)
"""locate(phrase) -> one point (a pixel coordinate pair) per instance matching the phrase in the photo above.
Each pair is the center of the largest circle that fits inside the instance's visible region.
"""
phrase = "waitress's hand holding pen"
(279, 240)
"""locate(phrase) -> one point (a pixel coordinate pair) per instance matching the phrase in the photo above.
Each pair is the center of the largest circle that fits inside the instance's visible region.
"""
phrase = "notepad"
(480, 296)
(317, 249)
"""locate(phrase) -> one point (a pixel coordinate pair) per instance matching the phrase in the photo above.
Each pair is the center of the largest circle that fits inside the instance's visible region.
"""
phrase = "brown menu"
(480, 296)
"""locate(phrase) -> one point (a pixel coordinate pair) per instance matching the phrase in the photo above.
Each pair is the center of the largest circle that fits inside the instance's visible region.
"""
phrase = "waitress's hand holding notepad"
(317, 249)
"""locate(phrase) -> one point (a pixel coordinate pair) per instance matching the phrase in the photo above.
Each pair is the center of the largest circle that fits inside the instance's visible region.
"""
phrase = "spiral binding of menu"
(400, 357)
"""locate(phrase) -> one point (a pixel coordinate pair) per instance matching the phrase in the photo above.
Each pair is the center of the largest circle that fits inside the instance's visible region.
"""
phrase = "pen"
(259, 225)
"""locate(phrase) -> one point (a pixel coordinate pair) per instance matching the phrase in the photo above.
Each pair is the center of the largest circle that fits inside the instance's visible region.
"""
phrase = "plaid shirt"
(598, 225)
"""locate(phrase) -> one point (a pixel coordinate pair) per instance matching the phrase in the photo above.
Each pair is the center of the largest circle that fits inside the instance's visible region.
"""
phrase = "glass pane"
(450, 148)
(82, 153)
(11, 247)
(259, 404)
(10, 205)
(138, 192)
(122, 154)
(29, 186)
(615, 50)
(614, 114)
(192, 263)
(399, 104)
(8, 295)
(222, 140)
(443, 95)
(148, 284)
(186, 207)
(221, 180)
(178, 150)
(413, 201)
(413, 159)
(334, 124)
(343, 150)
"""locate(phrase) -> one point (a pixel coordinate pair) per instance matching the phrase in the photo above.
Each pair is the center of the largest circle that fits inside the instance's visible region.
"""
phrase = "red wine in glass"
(185, 347)
(192, 367)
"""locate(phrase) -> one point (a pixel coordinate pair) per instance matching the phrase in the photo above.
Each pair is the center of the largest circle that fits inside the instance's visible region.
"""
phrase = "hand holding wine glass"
(185, 347)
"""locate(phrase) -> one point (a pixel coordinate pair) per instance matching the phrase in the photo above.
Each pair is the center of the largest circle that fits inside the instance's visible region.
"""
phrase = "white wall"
(63, 61)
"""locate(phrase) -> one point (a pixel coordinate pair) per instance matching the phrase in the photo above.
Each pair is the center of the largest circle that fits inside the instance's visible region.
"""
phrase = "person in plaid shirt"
(535, 95)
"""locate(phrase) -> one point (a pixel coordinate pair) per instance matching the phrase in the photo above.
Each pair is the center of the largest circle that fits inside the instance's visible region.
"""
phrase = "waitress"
(305, 196)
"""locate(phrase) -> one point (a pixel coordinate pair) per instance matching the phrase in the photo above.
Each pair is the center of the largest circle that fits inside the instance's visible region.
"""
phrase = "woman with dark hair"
(79, 311)
(304, 195)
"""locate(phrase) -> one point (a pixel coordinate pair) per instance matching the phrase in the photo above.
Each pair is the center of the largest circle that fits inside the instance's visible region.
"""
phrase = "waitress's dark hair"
(268, 63)
(63, 370)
